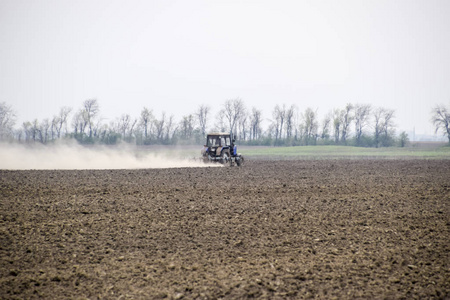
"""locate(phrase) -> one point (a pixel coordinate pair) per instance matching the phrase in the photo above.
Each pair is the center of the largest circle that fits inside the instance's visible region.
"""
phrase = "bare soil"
(271, 229)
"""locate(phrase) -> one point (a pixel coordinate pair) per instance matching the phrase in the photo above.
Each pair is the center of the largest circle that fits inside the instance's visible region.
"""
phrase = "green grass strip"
(347, 152)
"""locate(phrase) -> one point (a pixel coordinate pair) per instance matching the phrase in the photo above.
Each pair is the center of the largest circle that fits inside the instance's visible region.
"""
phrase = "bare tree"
(384, 126)
(26, 127)
(159, 127)
(440, 117)
(103, 133)
(242, 126)
(290, 121)
(346, 120)
(96, 130)
(187, 127)
(124, 125)
(35, 130)
(279, 114)
(18, 134)
(388, 127)
(362, 115)
(378, 125)
(169, 130)
(79, 124)
(233, 110)
(202, 117)
(255, 123)
(272, 131)
(45, 126)
(7, 121)
(114, 128)
(219, 122)
(59, 121)
(90, 111)
(337, 123)
(325, 126)
(146, 121)
(310, 125)
(62, 119)
(53, 127)
(132, 129)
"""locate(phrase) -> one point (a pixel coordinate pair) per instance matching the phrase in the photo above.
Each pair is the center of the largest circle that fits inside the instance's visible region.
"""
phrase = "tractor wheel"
(240, 161)
(225, 157)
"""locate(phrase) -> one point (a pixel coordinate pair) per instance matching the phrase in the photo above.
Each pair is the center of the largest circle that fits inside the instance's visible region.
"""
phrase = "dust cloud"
(72, 156)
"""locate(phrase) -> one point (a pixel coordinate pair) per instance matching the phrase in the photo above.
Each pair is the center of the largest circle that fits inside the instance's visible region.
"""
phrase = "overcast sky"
(173, 56)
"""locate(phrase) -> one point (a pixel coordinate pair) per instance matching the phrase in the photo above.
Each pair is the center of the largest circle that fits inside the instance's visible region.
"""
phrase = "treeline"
(355, 124)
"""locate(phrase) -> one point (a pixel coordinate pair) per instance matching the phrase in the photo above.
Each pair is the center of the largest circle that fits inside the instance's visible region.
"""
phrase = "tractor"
(220, 147)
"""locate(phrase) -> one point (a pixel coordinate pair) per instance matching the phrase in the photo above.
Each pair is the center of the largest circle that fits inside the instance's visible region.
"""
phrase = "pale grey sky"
(173, 56)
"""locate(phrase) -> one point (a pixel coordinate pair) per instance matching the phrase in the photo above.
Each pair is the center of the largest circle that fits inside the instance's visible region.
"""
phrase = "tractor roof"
(218, 133)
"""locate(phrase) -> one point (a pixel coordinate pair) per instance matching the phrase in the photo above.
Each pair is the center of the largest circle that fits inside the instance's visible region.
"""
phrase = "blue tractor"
(221, 148)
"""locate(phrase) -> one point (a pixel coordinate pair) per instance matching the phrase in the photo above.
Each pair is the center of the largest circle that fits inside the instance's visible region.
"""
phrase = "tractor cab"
(218, 142)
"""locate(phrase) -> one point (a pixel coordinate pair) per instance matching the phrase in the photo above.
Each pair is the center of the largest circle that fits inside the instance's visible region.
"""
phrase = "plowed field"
(271, 229)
